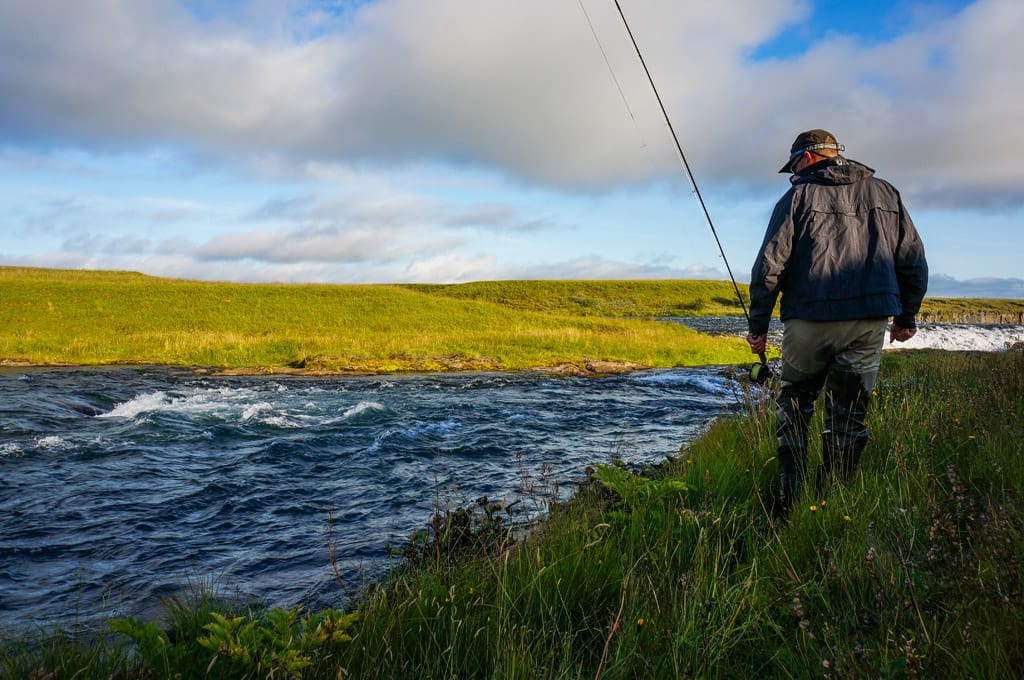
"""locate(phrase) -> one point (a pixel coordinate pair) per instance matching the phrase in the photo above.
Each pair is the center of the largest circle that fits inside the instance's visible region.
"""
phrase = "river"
(119, 486)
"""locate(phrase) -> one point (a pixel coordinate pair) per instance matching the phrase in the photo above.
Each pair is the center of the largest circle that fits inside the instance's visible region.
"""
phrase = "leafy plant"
(635, 490)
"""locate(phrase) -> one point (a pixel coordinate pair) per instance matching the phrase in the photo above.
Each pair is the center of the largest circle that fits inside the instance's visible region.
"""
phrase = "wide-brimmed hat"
(811, 140)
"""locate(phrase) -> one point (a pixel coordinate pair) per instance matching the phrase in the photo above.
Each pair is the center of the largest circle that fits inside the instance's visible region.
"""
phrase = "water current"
(119, 486)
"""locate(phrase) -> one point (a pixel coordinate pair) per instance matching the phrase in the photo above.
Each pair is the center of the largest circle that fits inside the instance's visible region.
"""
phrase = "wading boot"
(846, 404)
(792, 470)
(794, 413)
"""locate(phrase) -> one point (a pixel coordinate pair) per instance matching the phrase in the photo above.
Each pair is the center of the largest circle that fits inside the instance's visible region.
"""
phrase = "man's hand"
(898, 333)
(756, 342)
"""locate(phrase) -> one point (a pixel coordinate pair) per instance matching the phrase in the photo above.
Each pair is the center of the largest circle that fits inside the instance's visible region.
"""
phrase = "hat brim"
(788, 167)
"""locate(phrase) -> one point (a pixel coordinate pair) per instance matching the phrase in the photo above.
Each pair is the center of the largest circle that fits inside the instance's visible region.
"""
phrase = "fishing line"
(759, 372)
(611, 71)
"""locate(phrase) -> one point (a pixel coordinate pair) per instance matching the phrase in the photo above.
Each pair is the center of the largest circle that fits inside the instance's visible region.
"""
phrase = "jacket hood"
(836, 170)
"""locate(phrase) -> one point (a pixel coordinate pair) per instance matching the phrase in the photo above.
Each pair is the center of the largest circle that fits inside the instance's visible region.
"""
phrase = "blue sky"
(458, 140)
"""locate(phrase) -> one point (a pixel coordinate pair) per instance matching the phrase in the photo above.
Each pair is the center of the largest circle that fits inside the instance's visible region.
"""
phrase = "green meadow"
(912, 569)
(53, 317)
(88, 318)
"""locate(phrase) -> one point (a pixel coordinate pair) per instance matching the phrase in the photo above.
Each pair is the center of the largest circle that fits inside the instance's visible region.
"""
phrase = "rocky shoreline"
(586, 368)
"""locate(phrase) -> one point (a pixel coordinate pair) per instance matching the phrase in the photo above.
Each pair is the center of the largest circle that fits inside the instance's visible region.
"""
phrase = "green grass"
(75, 317)
(601, 298)
(914, 568)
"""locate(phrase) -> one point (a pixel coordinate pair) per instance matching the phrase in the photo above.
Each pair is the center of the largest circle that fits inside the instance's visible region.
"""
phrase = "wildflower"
(814, 508)
(970, 436)
(471, 591)
(640, 621)
(846, 518)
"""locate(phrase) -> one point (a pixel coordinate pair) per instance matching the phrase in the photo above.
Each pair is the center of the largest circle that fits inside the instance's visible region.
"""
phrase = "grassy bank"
(77, 317)
(915, 568)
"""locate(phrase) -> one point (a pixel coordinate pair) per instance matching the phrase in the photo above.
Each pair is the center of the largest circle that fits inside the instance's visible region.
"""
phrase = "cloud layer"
(522, 87)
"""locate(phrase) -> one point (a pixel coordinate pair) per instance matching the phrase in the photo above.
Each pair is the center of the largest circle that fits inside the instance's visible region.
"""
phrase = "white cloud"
(321, 244)
(522, 87)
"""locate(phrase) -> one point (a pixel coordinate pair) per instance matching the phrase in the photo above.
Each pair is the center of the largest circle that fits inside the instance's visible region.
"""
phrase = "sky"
(464, 140)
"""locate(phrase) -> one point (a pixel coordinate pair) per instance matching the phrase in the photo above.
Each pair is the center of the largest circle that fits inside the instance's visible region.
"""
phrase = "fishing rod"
(758, 372)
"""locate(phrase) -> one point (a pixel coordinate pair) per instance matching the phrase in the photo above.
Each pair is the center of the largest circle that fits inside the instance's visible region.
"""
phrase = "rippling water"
(117, 485)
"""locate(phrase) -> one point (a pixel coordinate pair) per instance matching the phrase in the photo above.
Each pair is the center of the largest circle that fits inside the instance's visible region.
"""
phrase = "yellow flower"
(814, 508)
(640, 622)
(846, 518)
(970, 436)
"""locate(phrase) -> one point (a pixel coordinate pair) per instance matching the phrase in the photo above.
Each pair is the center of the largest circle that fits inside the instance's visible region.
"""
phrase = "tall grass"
(913, 568)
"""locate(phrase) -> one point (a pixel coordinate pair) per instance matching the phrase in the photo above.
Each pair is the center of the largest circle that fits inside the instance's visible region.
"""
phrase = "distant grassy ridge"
(92, 318)
(601, 298)
(972, 310)
(680, 298)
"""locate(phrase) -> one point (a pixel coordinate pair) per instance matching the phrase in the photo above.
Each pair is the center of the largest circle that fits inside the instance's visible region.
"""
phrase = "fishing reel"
(761, 372)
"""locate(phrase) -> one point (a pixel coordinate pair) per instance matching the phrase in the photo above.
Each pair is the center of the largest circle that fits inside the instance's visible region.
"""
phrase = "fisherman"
(843, 252)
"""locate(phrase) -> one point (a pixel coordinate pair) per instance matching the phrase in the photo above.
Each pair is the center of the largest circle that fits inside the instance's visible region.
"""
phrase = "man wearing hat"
(844, 254)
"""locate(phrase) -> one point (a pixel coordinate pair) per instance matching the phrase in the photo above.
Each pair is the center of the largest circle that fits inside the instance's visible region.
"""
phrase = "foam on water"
(145, 403)
(254, 410)
(228, 404)
(362, 407)
(712, 384)
(961, 337)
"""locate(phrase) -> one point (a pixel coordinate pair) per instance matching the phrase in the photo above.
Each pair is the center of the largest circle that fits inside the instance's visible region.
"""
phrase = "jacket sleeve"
(769, 271)
(911, 270)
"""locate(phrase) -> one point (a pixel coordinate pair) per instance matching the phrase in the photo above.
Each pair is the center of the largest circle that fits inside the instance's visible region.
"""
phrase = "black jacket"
(839, 246)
